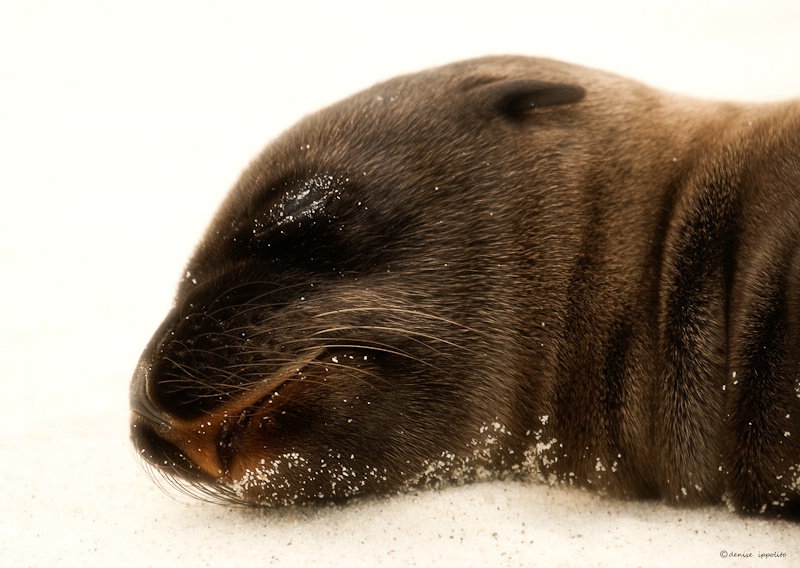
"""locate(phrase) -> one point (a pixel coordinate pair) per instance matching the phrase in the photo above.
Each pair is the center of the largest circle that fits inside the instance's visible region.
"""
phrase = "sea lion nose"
(140, 401)
(184, 447)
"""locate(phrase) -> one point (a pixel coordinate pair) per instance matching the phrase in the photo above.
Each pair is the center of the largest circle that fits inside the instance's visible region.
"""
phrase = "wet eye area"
(317, 223)
(300, 202)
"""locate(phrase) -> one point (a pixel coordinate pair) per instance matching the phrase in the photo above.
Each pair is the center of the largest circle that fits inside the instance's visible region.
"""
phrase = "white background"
(122, 125)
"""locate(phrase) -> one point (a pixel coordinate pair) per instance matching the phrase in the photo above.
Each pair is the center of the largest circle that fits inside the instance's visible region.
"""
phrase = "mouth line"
(233, 431)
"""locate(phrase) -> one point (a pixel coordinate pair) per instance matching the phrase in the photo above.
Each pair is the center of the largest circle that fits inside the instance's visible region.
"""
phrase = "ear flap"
(516, 99)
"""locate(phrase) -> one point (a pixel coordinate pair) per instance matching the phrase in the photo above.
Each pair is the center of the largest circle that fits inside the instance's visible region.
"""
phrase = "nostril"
(140, 402)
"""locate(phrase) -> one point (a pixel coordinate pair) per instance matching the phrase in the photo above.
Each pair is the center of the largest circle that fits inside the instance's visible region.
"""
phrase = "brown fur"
(506, 266)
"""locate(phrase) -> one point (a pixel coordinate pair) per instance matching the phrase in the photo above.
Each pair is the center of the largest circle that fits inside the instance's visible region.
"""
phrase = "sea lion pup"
(505, 266)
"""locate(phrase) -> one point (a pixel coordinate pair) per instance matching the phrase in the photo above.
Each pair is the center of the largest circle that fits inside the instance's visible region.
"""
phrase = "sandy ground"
(121, 127)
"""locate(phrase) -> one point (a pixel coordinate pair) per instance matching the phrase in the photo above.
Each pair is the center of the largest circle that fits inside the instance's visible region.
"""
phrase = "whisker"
(387, 350)
(408, 333)
(255, 301)
(405, 311)
(349, 369)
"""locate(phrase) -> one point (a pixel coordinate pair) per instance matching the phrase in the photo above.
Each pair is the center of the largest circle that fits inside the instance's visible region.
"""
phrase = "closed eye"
(318, 224)
(300, 202)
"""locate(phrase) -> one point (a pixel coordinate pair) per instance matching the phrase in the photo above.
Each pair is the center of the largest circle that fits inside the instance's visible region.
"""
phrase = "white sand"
(120, 131)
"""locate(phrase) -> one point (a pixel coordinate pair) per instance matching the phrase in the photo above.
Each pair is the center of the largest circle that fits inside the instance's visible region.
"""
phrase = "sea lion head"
(374, 305)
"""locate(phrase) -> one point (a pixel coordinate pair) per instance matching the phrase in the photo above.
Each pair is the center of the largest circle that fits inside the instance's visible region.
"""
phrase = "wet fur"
(506, 266)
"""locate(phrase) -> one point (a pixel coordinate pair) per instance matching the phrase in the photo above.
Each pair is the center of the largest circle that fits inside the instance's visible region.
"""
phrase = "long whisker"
(377, 347)
(404, 311)
(407, 332)
(256, 301)
(171, 482)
